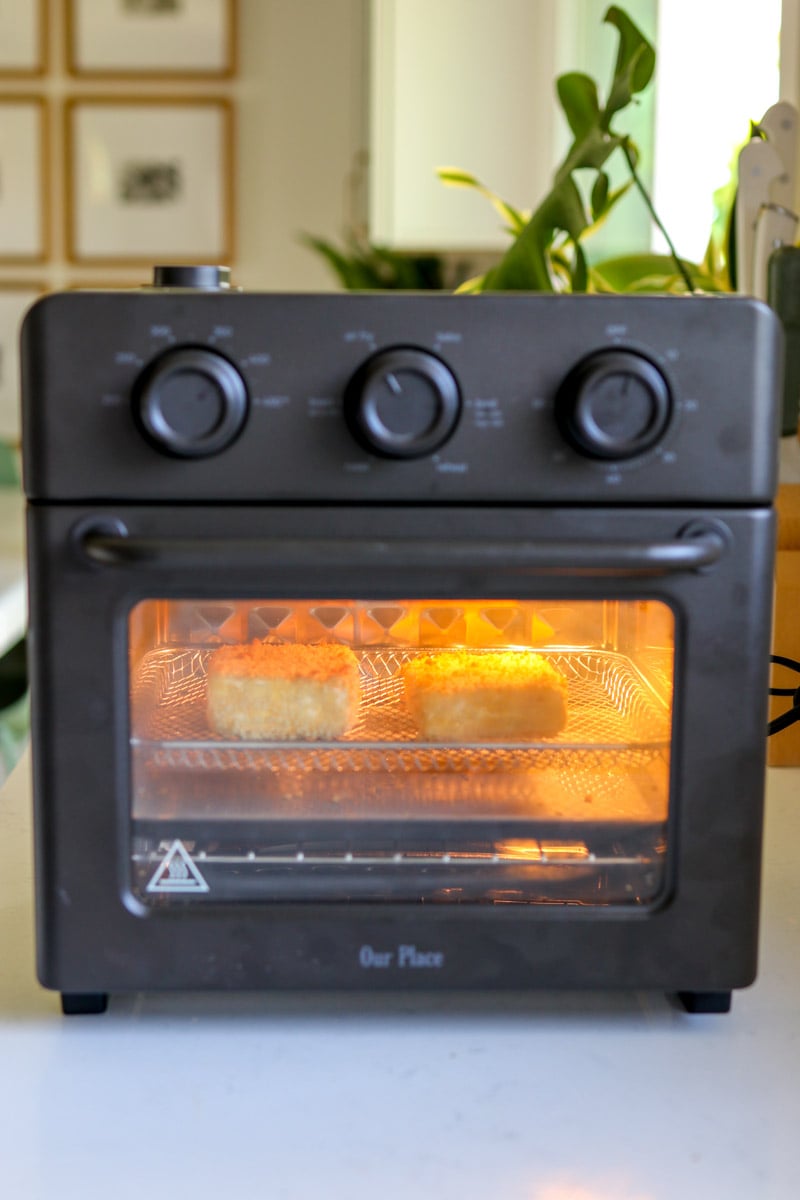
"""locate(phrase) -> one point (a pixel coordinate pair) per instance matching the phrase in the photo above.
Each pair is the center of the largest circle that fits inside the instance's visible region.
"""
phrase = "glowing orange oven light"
(519, 850)
(565, 851)
(522, 850)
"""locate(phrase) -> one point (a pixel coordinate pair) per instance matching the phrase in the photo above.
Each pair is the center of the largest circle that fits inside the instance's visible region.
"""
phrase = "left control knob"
(190, 402)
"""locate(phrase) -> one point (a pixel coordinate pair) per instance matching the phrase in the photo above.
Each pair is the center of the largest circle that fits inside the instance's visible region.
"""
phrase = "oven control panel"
(191, 390)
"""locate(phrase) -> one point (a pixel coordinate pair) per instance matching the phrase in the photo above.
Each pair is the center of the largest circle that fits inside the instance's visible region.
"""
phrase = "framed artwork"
(155, 38)
(23, 38)
(15, 300)
(149, 180)
(23, 180)
(110, 285)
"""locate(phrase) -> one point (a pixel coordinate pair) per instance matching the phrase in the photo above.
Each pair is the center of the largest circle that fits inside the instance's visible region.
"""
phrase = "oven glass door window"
(453, 751)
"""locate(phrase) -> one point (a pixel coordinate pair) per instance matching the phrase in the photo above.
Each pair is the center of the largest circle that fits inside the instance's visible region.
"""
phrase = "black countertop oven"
(399, 641)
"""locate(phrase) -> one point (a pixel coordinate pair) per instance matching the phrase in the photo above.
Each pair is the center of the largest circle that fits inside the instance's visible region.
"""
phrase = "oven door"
(397, 709)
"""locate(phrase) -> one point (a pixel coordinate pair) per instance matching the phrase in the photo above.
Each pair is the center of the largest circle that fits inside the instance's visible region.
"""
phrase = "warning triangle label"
(177, 872)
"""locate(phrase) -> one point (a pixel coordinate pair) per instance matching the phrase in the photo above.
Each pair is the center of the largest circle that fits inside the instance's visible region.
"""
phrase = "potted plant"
(547, 249)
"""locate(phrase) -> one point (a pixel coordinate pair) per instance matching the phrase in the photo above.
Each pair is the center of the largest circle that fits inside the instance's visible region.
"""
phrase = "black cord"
(793, 714)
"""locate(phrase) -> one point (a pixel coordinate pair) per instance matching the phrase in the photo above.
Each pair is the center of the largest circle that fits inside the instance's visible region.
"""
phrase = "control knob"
(190, 402)
(614, 404)
(402, 402)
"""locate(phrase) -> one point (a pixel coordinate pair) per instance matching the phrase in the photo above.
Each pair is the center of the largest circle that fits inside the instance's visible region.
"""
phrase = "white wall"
(459, 83)
(302, 135)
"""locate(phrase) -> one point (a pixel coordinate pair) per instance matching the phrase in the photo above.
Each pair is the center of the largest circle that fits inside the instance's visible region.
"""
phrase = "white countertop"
(290, 1097)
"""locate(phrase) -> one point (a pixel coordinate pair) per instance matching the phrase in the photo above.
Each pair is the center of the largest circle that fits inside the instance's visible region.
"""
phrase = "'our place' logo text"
(406, 956)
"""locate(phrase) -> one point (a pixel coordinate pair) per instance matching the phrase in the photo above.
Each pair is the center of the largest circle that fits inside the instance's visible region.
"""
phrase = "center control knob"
(614, 405)
(403, 402)
(190, 402)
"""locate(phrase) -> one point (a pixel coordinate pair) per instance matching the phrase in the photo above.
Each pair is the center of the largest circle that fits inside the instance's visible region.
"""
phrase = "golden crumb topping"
(285, 661)
(464, 669)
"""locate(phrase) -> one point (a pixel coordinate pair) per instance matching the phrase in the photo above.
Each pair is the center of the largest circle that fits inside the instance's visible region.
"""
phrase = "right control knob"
(614, 404)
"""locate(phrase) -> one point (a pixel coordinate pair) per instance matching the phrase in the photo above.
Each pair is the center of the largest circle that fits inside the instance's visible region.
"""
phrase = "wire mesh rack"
(611, 763)
(611, 707)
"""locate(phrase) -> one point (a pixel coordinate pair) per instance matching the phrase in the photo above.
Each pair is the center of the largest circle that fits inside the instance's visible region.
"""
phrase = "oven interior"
(383, 810)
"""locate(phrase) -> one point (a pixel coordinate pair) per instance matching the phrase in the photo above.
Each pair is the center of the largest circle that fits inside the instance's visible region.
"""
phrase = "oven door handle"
(698, 547)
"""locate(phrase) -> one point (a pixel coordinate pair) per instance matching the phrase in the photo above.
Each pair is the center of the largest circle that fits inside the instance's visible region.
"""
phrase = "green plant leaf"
(600, 194)
(471, 287)
(598, 285)
(410, 272)
(632, 72)
(561, 265)
(525, 266)
(579, 276)
(650, 273)
(458, 178)
(453, 177)
(621, 272)
(569, 210)
(591, 152)
(612, 200)
(622, 91)
(578, 96)
(648, 281)
(351, 274)
(365, 267)
(636, 61)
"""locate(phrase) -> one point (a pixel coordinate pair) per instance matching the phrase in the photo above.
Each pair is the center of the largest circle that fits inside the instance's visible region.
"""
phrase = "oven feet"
(705, 1002)
(80, 1004)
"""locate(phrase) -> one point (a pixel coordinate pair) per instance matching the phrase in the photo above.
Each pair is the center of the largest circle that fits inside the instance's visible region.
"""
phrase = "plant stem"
(684, 274)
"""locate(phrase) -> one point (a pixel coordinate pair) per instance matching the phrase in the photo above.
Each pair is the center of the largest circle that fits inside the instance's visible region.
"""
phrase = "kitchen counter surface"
(545, 1097)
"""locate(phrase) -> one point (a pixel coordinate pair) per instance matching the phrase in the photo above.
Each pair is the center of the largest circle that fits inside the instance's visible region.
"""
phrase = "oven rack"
(297, 839)
(612, 708)
(469, 788)
(530, 870)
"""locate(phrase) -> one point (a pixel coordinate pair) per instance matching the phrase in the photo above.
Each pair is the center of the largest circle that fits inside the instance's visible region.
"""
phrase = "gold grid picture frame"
(24, 180)
(149, 179)
(23, 39)
(157, 39)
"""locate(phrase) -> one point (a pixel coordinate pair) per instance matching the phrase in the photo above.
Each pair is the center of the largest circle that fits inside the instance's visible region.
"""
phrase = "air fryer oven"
(485, 586)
